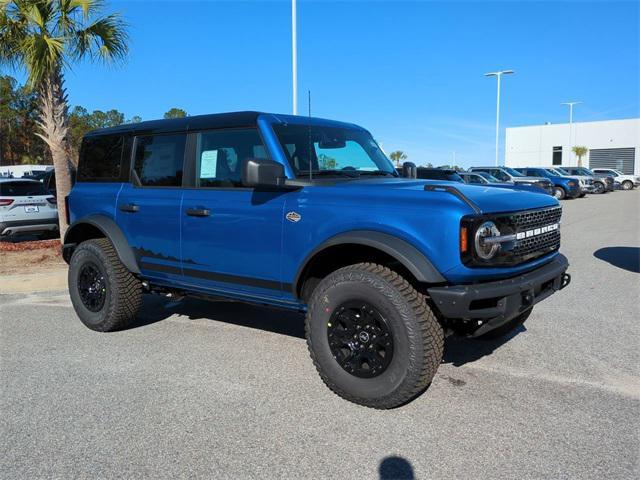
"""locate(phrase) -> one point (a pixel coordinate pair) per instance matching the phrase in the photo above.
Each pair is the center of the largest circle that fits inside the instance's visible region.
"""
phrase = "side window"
(220, 154)
(101, 158)
(475, 179)
(159, 159)
(500, 175)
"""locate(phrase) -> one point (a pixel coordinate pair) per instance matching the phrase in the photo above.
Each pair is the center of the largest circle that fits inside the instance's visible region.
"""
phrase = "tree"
(43, 37)
(580, 152)
(18, 116)
(398, 156)
(175, 113)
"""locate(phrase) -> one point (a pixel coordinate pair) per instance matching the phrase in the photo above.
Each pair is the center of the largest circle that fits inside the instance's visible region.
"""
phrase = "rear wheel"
(372, 336)
(559, 193)
(627, 185)
(105, 295)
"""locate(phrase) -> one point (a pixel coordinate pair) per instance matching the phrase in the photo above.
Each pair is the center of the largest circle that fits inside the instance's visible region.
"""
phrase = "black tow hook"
(566, 280)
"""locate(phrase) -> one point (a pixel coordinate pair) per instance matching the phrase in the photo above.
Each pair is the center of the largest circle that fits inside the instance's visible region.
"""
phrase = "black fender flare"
(405, 253)
(110, 230)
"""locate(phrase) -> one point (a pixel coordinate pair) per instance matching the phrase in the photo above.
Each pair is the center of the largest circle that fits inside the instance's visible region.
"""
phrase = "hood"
(487, 199)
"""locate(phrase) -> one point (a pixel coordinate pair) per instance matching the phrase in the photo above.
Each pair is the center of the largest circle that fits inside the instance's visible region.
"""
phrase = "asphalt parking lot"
(227, 390)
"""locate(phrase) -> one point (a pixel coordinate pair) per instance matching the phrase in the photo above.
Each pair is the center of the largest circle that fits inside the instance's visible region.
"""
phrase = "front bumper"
(492, 304)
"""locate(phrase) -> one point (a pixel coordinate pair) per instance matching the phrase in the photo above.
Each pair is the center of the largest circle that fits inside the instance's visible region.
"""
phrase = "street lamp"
(499, 75)
(294, 55)
(570, 104)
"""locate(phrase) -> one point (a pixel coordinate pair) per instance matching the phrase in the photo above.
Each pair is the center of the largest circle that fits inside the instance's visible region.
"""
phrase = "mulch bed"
(34, 245)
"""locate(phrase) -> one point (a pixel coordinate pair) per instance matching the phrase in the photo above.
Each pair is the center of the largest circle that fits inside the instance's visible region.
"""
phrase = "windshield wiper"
(318, 173)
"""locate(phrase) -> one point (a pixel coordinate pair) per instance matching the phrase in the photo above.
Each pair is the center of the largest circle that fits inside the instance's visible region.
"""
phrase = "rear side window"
(101, 158)
(159, 160)
(22, 189)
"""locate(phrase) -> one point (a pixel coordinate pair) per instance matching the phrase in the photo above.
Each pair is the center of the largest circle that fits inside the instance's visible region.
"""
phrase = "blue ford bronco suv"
(310, 215)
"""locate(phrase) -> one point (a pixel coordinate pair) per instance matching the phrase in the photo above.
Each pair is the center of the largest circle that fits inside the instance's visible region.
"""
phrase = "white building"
(611, 144)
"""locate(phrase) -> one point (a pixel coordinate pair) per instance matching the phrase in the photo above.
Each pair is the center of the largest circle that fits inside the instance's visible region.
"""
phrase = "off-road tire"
(508, 327)
(123, 296)
(559, 193)
(627, 185)
(582, 195)
(418, 337)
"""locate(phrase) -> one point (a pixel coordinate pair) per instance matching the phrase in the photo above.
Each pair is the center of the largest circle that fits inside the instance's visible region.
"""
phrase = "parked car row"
(562, 183)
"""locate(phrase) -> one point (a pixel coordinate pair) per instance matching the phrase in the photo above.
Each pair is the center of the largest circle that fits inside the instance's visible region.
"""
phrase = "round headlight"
(484, 250)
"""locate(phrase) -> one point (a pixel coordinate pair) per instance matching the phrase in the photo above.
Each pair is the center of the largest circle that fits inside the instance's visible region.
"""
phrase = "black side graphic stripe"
(218, 277)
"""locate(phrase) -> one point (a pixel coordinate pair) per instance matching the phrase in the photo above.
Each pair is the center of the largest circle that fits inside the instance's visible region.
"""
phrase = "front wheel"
(372, 336)
(559, 193)
(627, 185)
(598, 188)
(105, 295)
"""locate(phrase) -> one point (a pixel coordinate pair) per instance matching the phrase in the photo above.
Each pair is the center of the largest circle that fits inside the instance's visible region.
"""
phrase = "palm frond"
(105, 39)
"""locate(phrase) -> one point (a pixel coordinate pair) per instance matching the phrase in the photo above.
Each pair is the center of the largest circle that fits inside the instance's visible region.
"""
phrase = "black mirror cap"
(261, 172)
(409, 170)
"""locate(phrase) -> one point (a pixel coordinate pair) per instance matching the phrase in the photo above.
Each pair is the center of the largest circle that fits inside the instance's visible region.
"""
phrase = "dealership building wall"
(611, 144)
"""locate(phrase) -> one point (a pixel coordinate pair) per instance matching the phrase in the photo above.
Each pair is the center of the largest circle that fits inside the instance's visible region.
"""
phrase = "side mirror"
(260, 172)
(409, 170)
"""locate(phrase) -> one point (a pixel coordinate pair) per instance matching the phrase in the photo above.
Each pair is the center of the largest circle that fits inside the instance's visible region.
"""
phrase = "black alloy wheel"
(92, 287)
(360, 339)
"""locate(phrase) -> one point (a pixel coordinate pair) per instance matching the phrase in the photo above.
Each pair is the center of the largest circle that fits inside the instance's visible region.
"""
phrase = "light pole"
(570, 104)
(294, 55)
(499, 75)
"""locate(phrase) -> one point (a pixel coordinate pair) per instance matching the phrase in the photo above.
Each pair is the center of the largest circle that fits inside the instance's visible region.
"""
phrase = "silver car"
(26, 207)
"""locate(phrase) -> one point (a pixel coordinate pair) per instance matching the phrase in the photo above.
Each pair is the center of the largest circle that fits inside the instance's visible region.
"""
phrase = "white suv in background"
(626, 181)
(26, 207)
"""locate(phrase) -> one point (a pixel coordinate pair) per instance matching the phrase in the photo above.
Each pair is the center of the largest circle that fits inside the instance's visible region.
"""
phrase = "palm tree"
(43, 37)
(398, 156)
(580, 152)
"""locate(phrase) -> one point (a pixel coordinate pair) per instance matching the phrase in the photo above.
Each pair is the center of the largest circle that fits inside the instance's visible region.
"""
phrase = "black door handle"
(129, 207)
(198, 212)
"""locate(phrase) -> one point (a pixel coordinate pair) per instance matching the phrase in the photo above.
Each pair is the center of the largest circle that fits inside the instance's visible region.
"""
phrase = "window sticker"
(208, 164)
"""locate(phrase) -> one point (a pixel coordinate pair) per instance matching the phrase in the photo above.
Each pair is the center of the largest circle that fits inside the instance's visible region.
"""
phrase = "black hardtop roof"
(216, 120)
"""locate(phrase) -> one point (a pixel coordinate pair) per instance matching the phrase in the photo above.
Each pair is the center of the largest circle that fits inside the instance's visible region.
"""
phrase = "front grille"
(539, 243)
(536, 246)
(535, 218)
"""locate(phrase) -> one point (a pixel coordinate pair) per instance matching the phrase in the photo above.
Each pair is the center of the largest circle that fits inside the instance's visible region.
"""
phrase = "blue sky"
(411, 72)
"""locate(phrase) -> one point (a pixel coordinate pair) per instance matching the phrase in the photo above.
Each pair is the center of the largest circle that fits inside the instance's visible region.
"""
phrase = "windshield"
(584, 171)
(562, 171)
(554, 172)
(320, 150)
(512, 172)
(490, 178)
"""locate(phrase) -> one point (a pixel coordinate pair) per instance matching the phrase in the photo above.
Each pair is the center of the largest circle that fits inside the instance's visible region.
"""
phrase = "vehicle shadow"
(627, 258)
(395, 468)
(156, 308)
(459, 351)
